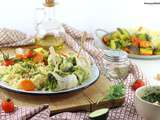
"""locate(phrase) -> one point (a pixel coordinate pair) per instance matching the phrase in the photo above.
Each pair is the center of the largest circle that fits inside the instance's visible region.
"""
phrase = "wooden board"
(83, 100)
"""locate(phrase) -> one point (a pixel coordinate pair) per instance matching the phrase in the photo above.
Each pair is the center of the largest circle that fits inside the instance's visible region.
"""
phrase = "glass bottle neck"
(49, 13)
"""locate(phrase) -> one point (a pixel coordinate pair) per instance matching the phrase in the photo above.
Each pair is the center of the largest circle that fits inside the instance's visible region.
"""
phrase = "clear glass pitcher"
(49, 32)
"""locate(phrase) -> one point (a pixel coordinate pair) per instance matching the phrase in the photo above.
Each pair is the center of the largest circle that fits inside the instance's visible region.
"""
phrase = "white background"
(87, 15)
(83, 14)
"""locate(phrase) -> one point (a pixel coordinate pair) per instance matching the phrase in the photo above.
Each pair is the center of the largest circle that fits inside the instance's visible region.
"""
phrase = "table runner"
(9, 38)
(127, 111)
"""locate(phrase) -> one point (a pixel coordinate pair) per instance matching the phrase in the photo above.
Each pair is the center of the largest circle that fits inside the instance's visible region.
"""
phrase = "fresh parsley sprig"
(115, 92)
(5, 56)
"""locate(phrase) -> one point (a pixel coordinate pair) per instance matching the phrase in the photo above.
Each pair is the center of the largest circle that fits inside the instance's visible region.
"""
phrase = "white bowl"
(146, 109)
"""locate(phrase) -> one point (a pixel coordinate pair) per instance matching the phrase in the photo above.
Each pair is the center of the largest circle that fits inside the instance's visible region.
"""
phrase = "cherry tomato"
(136, 41)
(8, 62)
(7, 105)
(29, 54)
(137, 84)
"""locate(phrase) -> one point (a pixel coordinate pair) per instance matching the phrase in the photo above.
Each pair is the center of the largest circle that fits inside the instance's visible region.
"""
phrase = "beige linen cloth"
(12, 38)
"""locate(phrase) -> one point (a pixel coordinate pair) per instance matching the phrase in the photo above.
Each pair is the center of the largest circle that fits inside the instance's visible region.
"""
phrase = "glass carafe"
(49, 32)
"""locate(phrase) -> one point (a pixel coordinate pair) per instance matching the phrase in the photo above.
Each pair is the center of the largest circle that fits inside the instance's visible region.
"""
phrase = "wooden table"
(83, 100)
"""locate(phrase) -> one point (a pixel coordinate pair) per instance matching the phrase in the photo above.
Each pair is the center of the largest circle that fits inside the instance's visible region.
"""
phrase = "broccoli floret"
(51, 83)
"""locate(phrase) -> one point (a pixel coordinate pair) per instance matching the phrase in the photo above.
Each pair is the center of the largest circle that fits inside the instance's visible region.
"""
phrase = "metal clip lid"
(116, 55)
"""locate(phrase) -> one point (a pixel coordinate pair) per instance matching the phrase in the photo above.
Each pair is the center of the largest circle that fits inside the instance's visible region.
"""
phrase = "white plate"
(95, 73)
(100, 33)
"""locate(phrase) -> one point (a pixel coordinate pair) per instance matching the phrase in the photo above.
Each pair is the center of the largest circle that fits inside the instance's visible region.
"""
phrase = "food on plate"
(152, 96)
(147, 102)
(6, 60)
(7, 105)
(157, 50)
(138, 41)
(137, 84)
(38, 69)
(27, 85)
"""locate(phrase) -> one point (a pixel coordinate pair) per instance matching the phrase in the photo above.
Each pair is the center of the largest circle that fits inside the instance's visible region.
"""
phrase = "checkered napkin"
(26, 113)
(9, 38)
(126, 112)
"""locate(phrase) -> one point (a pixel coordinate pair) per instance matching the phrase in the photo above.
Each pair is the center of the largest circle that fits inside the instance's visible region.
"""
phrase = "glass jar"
(118, 64)
(49, 32)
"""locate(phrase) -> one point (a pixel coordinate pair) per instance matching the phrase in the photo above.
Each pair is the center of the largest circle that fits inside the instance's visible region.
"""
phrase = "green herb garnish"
(152, 97)
(5, 56)
(115, 92)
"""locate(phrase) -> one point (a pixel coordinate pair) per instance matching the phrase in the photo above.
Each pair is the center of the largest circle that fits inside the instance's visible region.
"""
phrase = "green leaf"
(51, 82)
(115, 92)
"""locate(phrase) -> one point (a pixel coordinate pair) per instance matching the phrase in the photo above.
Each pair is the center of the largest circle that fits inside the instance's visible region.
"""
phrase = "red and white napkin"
(25, 113)
(10, 38)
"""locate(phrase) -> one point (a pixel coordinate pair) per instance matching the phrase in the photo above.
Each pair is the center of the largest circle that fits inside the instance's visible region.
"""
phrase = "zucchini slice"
(100, 114)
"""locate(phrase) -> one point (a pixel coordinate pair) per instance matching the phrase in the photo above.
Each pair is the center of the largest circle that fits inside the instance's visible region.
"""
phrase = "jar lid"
(116, 55)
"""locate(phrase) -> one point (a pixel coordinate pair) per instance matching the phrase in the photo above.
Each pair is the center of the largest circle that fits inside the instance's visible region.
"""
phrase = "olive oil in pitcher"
(49, 32)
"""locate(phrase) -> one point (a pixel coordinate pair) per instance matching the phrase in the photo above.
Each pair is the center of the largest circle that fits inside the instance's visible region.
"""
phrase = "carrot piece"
(28, 54)
(147, 54)
(105, 39)
(27, 85)
(145, 44)
(126, 49)
(20, 56)
(38, 58)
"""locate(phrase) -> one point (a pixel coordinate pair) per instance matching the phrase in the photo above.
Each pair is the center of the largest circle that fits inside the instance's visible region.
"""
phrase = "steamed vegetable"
(51, 82)
(38, 58)
(27, 85)
(157, 52)
(100, 114)
(138, 41)
(38, 69)
(80, 73)
(146, 51)
(66, 66)
(118, 39)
